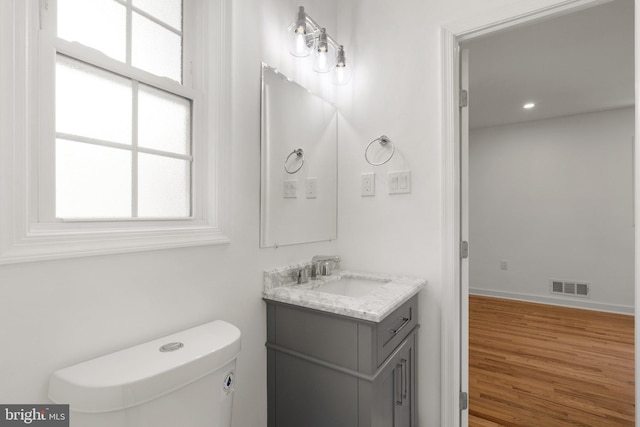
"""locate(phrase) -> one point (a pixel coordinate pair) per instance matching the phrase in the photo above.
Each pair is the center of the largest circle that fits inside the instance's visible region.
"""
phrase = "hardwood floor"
(541, 366)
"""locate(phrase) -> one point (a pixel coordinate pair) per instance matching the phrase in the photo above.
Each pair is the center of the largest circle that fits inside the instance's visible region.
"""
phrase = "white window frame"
(24, 123)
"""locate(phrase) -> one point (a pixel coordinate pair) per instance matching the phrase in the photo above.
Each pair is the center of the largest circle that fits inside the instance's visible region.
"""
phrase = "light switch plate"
(290, 189)
(399, 182)
(368, 184)
(311, 188)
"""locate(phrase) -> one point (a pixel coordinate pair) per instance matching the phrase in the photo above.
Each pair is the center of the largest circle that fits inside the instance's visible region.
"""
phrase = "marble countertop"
(279, 285)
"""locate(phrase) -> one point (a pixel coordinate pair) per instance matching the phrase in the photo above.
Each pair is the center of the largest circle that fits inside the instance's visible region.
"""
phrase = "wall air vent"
(582, 289)
(570, 288)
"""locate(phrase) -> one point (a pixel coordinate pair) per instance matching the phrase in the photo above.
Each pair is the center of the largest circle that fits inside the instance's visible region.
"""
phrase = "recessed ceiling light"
(528, 105)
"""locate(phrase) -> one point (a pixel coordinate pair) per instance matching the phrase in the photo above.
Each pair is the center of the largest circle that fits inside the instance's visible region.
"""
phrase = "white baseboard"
(573, 303)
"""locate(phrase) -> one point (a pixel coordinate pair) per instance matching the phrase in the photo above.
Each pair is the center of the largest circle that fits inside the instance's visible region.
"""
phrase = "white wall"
(554, 199)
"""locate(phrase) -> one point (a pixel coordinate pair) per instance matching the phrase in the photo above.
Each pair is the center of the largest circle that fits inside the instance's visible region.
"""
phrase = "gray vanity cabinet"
(330, 370)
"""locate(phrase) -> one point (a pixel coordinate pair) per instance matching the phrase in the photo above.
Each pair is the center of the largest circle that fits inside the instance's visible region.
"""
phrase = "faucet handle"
(303, 276)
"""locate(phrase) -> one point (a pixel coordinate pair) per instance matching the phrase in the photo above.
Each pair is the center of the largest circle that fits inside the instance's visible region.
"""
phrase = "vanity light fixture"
(306, 36)
(342, 71)
(528, 105)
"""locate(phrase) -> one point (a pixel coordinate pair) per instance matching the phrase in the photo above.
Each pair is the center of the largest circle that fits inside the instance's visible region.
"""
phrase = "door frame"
(485, 22)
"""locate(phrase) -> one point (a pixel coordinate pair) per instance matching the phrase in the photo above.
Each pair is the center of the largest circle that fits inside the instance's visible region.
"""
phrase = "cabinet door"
(395, 389)
(311, 395)
(383, 407)
(404, 382)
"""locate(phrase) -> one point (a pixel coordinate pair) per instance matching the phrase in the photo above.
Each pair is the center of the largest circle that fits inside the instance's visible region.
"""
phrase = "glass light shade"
(323, 55)
(342, 74)
(300, 42)
(322, 62)
(343, 70)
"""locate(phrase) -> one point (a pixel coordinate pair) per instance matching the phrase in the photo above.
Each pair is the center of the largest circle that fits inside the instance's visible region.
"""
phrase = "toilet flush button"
(227, 384)
(172, 346)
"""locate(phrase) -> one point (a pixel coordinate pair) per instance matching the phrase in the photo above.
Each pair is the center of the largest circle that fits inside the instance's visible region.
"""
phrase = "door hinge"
(464, 400)
(464, 249)
(464, 98)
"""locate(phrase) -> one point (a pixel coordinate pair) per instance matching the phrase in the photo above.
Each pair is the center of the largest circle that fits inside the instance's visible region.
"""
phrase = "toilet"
(184, 379)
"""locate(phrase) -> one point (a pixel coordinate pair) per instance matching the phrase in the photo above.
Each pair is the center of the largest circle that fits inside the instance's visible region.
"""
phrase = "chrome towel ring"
(383, 140)
(299, 155)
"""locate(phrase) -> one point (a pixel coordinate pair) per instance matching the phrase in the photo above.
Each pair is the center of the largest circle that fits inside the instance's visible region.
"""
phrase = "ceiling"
(571, 64)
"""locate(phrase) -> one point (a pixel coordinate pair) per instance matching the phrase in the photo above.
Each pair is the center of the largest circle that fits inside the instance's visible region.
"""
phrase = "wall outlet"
(399, 182)
(504, 264)
(311, 188)
(368, 184)
(290, 189)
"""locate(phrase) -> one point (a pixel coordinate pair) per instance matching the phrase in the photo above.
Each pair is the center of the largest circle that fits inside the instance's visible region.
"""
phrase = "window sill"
(50, 245)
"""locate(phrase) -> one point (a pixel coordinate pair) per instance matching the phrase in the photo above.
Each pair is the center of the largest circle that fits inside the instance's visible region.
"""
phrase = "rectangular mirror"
(298, 185)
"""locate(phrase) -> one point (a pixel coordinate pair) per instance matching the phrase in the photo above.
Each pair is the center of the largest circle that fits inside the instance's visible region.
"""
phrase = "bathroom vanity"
(342, 361)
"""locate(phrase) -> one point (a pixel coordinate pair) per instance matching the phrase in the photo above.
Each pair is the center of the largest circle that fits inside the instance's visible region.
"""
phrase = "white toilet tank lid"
(142, 373)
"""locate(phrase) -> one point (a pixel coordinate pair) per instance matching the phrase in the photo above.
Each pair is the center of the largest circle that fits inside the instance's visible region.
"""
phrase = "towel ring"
(299, 155)
(384, 140)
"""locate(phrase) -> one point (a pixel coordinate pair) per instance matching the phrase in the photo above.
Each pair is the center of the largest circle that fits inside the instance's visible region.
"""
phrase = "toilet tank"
(184, 379)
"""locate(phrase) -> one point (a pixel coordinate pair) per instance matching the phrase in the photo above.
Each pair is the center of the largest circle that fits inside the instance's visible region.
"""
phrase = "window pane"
(164, 187)
(168, 11)
(92, 181)
(92, 102)
(164, 121)
(156, 49)
(100, 24)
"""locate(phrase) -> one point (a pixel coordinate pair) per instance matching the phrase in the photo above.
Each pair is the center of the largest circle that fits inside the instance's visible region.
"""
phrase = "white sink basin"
(354, 287)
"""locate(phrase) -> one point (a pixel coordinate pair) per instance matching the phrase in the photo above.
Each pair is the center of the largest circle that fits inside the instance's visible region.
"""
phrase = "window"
(123, 130)
(123, 144)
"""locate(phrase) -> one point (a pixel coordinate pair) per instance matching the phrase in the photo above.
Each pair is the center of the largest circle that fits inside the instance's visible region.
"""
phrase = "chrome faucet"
(324, 265)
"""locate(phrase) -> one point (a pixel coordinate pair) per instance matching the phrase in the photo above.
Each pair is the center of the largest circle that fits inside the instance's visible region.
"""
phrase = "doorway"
(454, 353)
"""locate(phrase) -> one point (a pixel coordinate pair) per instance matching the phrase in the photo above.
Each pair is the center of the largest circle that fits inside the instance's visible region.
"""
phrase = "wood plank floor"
(541, 366)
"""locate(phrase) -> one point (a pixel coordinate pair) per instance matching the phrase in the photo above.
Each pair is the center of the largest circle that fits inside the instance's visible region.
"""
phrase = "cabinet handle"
(405, 322)
(398, 379)
(405, 379)
(401, 382)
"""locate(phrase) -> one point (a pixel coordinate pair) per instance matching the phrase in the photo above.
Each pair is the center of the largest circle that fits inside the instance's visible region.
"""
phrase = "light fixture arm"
(317, 27)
